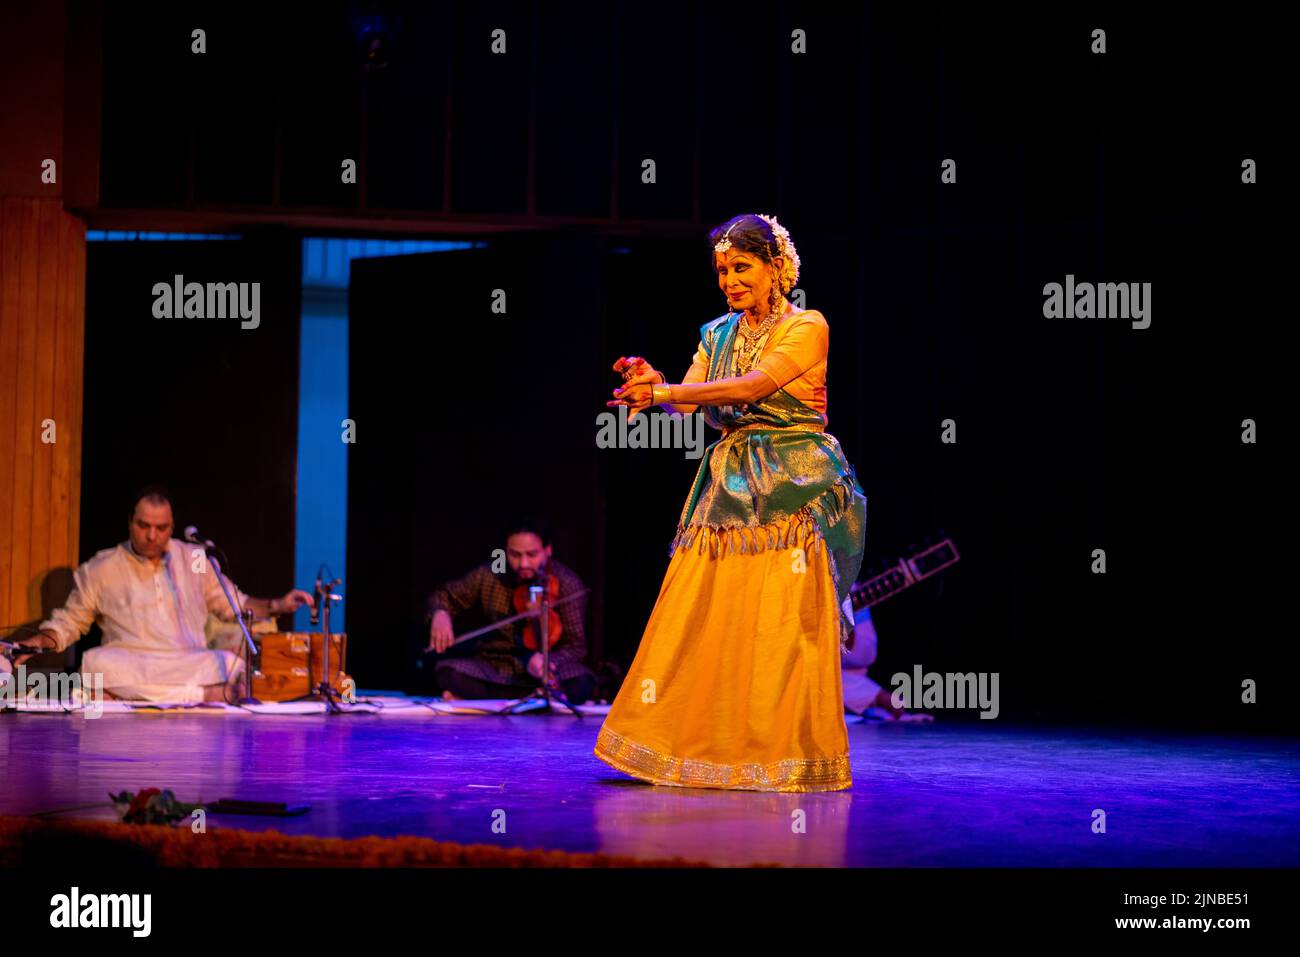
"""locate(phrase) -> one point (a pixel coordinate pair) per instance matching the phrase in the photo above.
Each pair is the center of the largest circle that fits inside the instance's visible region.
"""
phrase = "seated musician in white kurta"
(151, 596)
(862, 695)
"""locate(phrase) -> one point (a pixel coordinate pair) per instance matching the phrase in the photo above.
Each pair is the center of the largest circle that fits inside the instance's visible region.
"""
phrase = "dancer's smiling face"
(745, 279)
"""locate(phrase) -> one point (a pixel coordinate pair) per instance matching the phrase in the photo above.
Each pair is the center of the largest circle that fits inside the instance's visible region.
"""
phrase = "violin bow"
(530, 613)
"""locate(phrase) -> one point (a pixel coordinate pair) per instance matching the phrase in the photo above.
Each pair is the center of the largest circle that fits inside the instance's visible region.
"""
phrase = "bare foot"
(884, 700)
(448, 696)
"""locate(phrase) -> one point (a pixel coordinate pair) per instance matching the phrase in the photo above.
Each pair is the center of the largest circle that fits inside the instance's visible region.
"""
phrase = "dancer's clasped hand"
(638, 376)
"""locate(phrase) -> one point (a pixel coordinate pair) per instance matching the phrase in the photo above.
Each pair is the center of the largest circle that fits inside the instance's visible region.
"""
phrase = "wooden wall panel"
(42, 318)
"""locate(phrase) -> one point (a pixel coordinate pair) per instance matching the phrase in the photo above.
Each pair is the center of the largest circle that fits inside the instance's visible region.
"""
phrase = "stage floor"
(946, 794)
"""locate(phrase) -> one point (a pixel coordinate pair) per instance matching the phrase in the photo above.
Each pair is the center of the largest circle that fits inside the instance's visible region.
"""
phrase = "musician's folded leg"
(162, 693)
(228, 692)
(462, 685)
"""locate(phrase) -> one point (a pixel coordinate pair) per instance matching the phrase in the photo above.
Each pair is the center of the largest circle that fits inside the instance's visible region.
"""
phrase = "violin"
(520, 600)
(554, 627)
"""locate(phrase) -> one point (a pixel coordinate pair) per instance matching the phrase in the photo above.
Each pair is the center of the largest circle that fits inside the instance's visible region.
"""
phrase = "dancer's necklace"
(754, 338)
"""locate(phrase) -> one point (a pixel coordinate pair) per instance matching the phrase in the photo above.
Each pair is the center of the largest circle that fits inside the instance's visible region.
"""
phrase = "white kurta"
(152, 615)
(859, 690)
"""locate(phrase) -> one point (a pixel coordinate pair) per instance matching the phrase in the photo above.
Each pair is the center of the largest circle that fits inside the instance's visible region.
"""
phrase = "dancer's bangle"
(659, 394)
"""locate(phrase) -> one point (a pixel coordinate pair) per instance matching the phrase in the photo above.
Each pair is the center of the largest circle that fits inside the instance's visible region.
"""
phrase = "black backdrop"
(1072, 434)
(201, 406)
(464, 419)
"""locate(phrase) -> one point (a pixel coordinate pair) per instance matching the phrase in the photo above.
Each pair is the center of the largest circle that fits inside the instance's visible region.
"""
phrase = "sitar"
(906, 573)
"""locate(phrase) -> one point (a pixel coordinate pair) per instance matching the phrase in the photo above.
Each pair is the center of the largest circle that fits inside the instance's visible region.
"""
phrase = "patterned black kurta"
(501, 657)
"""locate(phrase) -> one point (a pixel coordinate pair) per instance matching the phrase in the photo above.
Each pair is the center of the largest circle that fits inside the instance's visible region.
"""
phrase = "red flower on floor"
(150, 806)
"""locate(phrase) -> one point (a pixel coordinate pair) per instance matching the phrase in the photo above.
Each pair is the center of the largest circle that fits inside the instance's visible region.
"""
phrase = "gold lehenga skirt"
(736, 683)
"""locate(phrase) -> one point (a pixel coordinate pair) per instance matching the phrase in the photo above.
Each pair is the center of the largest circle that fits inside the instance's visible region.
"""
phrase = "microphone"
(315, 605)
(192, 536)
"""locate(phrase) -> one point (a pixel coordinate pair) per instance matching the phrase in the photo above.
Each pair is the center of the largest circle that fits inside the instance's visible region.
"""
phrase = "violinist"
(507, 662)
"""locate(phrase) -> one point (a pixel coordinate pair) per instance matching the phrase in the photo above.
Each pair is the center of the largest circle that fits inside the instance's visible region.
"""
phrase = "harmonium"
(290, 664)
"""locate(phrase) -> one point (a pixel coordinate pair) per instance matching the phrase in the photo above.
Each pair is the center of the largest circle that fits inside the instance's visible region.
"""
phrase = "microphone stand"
(539, 604)
(250, 646)
(325, 691)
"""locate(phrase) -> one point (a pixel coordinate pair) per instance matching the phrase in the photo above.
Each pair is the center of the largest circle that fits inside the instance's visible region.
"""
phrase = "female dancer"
(736, 683)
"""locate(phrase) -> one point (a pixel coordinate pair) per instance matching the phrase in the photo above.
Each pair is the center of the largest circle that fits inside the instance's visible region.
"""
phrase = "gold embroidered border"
(795, 774)
(765, 427)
